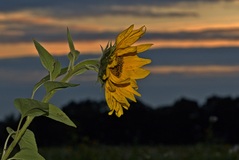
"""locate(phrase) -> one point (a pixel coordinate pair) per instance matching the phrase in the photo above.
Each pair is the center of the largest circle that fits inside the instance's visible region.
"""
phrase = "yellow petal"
(109, 99)
(132, 38)
(133, 84)
(119, 112)
(110, 112)
(109, 86)
(119, 98)
(127, 94)
(138, 32)
(138, 73)
(132, 90)
(126, 107)
(130, 62)
(120, 52)
(143, 47)
(124, 34)
(123, 79)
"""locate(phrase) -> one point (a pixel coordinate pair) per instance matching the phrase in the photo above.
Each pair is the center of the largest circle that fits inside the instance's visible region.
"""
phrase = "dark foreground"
(102, 152)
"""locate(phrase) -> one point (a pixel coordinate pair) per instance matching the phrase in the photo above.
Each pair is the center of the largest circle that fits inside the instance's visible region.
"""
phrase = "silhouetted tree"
(184, 122)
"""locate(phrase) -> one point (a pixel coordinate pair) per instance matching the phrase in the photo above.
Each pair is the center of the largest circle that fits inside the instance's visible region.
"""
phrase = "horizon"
(195, 51)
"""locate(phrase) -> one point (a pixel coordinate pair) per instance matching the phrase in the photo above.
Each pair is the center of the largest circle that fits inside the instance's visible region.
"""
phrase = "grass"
(104, 152)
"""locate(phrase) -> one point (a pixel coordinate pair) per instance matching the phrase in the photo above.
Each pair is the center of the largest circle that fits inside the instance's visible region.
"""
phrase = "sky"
(195, 52)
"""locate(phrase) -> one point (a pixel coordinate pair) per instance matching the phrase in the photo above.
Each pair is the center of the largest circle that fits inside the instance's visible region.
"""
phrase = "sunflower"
(120, 67)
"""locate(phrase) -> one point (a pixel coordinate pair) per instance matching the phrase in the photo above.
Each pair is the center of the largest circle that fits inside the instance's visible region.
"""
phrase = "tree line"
(184, 122)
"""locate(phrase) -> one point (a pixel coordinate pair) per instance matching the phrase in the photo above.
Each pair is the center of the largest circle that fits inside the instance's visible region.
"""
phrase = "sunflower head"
(120, 67)
(105, 60)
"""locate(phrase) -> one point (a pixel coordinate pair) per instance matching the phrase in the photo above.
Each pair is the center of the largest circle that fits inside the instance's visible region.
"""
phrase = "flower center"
(117, 70)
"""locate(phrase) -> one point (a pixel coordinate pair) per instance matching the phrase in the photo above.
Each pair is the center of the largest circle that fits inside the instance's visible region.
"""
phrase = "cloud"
(14, 5)
(47, 29)
(230, 33)
(143, 11)
(94, 24)
(209, 70)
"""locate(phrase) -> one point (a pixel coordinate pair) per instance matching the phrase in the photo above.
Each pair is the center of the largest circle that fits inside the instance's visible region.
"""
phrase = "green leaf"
(71, 59)
(57, 70)
(70, 41)
(90, 64)
(57, 114)
(80, 71)
(31, 107)
(73, 55)
(53, 85)
(28, 146)
(47, 59)
(10, 130)
(26, 154)
(45, 79)
(92, 67)
(38, 84)
(27, 141)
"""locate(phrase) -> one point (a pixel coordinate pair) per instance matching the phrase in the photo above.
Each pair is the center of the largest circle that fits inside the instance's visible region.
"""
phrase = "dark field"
(103, 152)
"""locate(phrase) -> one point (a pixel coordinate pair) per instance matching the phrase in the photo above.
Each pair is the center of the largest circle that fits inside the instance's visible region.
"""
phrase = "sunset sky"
(195, 42)
(174, 23)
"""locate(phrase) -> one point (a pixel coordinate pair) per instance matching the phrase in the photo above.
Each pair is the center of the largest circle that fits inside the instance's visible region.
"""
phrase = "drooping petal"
(120, 52)
(123, 35)
(143, 47)
(134, 84)
(127, 94)
(132, 90)
(123, 79)
(120, 98)
(130, 62)
(119, 110)
(138, 73)
(109, 99)
(134, 36)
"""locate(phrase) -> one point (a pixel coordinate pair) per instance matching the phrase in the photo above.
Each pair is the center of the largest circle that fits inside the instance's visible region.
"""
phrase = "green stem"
(20, 132)
(17, 137)
(19, 125)
(48, 96)
(5, 145)
(46, 99)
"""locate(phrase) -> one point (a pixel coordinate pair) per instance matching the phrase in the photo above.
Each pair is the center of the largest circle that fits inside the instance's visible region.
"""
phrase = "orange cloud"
(13, 50)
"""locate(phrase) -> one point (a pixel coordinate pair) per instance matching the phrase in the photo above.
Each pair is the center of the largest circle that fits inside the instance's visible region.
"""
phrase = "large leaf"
(57, 114)
(53, 85)
(46, 58)
(31, 107)
(28, 146)
(26, 154)
(27, 141)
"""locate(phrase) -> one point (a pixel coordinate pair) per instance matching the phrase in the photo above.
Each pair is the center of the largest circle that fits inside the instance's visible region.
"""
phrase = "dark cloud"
(54, 33)
(84, 5)
(95, 11)
(207, 34)
(138, 12)
(142, 14)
